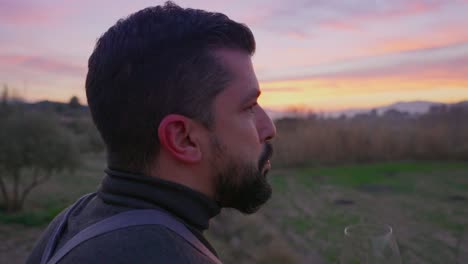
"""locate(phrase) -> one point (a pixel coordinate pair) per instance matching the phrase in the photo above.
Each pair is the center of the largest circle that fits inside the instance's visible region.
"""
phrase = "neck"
(194, 177)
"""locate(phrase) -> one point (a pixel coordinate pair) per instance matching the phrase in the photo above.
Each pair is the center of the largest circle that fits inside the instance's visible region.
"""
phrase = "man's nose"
(266, 127)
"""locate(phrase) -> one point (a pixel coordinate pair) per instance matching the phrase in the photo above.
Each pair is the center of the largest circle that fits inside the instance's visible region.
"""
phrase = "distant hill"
(46, 105)
(412, 107)
(463, 104)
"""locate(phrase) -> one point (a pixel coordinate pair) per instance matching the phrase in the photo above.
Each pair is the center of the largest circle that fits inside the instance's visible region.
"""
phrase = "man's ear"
(177, 137)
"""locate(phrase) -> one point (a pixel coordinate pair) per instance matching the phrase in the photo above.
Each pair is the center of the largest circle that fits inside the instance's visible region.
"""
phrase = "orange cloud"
(366, 94)
(451, 69)
(341, 93)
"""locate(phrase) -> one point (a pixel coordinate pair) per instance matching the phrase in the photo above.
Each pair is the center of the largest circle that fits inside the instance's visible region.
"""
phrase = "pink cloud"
(259, 17)
(336, 14)
(351, 18)
(411, 8)
(297, 34)
(41, 64)
(437, 36)
(456, 69)
(339, 25)
(30, 12)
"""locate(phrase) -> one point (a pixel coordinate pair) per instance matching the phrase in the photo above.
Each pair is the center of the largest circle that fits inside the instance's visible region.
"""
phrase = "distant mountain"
(463, 104)
(49, 105)
(274, 114)
(412, 107)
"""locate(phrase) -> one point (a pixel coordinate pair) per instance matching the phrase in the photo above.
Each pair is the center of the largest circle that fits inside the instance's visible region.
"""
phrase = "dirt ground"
(17, 242)
(304, 223)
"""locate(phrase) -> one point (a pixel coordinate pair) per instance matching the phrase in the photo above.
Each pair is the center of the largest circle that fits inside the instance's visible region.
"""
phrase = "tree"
(74, 103)
(33, 147)
(4, 101)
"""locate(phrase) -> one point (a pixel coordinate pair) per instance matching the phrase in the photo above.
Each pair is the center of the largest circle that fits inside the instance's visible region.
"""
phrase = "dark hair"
(155, 62)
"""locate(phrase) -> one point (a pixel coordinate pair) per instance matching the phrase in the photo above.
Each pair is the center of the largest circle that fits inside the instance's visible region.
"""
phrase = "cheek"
(240, 135)
(245, 132)
(248, 142)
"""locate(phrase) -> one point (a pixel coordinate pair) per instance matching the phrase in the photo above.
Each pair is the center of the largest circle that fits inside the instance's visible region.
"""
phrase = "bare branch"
(16, 182)
(4, 191)
(37, 180)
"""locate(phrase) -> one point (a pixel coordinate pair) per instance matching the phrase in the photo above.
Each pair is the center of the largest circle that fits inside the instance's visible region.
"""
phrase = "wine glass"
(369, 244)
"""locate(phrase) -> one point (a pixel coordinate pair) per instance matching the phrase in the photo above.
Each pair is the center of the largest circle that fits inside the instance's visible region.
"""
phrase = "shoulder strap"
(58, 230)
(133, 218)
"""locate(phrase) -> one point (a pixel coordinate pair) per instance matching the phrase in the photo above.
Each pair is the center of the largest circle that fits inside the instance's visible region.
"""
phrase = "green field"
(425, 202)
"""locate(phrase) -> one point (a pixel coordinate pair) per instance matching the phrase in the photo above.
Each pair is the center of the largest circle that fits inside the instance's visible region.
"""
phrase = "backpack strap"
(58, 230)
(134, 218)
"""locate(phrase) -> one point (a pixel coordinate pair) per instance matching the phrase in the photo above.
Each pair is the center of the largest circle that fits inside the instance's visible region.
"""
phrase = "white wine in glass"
(369, 244)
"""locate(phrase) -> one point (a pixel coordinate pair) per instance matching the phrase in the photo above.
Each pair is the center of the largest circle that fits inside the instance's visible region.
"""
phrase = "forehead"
(242, 80)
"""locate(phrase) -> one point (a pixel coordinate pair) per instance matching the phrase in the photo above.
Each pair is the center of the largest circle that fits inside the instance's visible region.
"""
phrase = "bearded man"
(173, 94)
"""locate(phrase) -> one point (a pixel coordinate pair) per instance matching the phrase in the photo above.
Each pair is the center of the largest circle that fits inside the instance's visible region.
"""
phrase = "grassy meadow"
(410, 172)
(425, 202)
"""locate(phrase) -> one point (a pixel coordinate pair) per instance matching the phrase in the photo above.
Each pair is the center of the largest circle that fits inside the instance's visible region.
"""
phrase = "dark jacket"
(120, 192)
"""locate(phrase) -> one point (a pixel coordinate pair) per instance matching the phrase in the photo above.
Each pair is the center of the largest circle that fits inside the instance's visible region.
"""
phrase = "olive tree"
(33, 146)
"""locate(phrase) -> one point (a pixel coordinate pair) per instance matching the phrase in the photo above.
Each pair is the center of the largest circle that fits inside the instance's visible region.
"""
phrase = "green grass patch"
(334, 223)
(279, 183)
(331, 229)
(307, 179)
(300, 224)
(461, 187)
(389, 173)
(445, 221)
(31, 218)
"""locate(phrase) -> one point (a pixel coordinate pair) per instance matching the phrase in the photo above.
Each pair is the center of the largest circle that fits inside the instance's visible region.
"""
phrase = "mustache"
(266, 155)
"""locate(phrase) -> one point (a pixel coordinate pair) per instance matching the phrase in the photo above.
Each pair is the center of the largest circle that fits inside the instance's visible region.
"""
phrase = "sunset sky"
(323, 55)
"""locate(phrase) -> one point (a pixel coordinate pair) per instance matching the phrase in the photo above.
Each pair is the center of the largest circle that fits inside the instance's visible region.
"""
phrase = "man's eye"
(252, 107)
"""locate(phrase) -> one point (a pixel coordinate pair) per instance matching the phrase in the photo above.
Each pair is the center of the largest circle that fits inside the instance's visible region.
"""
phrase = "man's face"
(239, 142)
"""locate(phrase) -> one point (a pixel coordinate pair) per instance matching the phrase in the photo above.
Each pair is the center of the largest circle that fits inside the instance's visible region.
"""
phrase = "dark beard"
(244, 186)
